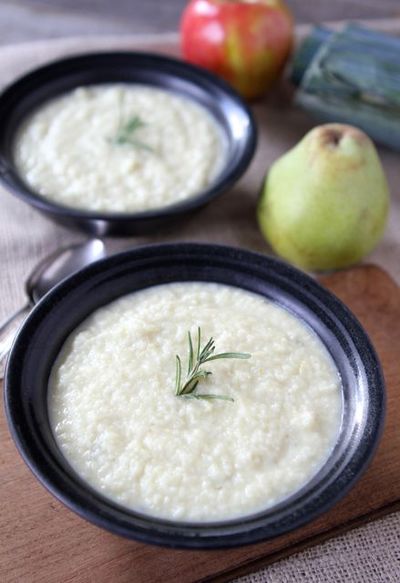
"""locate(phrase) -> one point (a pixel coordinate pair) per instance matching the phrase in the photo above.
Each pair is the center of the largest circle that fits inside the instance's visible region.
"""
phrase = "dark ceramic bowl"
(32, 90)
(61, 310)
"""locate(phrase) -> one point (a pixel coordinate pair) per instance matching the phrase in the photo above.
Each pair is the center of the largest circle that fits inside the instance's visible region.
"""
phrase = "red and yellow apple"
(247, 42)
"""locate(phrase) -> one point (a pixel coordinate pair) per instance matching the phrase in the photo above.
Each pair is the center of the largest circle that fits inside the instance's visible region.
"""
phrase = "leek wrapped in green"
(352, 76)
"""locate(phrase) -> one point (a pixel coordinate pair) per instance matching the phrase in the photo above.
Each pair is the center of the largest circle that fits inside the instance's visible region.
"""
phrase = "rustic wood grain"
(41, 541)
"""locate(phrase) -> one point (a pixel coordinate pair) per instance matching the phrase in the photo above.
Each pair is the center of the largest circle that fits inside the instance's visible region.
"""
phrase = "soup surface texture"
(117, 420)
(119, 148)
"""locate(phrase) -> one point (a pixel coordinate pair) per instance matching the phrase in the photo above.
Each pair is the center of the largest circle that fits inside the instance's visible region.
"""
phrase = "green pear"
(325, 202)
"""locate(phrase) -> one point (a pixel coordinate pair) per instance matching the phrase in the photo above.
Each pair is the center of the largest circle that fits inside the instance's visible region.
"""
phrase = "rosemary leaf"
(211, 397)
(207, 350)
(178, 375)
(189, 388)
(136, 143)
(195, 378)
(125, 133)
(198, 343)
(240, 355)
(195, 374)
(133, 124)
(190, 364)
(208, 397)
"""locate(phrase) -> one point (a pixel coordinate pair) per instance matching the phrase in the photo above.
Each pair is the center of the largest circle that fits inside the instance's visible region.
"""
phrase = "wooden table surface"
(26, 20)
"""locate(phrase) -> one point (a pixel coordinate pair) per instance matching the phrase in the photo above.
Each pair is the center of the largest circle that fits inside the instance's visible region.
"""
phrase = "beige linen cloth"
(370, 554)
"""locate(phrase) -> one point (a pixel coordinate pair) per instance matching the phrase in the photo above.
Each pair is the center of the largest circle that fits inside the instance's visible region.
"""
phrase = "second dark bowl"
(63, 309)
(35, 88)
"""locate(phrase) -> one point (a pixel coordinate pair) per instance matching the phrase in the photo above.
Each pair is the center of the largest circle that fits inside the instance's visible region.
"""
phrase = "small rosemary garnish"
(195, 374)
(125, 133)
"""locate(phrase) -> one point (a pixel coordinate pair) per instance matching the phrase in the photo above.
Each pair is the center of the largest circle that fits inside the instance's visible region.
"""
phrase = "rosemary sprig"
(125, 133)
(197, 357)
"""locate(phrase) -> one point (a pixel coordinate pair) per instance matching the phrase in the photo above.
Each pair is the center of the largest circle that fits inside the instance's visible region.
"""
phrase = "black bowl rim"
(197, 75)
(193, 538)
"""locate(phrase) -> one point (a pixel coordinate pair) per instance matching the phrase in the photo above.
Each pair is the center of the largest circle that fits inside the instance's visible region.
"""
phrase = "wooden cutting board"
(41, 541)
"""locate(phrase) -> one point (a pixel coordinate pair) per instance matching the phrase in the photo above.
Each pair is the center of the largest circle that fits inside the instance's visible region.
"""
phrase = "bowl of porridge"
(194, 396)
(122, 143)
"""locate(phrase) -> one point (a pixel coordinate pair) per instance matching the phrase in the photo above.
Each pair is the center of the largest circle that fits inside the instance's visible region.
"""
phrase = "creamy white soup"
(119, 148)
(119, 423)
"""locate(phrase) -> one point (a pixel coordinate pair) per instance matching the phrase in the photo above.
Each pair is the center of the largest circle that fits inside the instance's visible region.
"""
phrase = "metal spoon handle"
(8, 331)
